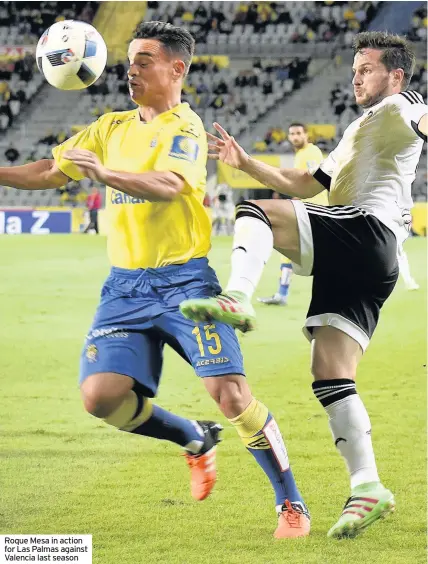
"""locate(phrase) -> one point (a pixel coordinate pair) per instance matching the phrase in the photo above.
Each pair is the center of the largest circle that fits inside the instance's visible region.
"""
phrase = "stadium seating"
(238, 95)
(418, 32)
(253, 23)
(21, 24)
(337, 108)
(246, 95)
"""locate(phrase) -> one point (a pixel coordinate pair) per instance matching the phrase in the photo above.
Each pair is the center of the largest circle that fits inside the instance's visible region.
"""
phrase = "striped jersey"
(374, 164)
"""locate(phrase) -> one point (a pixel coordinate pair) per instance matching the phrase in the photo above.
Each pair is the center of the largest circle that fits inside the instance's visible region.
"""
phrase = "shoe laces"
(291, 514)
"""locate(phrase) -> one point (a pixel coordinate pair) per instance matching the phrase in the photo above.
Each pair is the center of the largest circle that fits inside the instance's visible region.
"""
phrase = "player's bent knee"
(102, 393)
(331, 371)
(277, 211)
(231, 393)
(335, 354)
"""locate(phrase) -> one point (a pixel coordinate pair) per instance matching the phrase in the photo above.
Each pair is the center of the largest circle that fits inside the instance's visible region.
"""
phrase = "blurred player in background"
(93, 204)
(307, 157)
(159, 237)
(223, 210)
(350, 249)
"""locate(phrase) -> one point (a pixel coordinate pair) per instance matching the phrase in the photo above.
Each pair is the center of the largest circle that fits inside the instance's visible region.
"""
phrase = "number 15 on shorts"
(207, 339)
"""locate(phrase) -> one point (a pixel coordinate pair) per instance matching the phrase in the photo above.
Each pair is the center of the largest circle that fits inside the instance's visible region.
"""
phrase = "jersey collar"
(177, 110)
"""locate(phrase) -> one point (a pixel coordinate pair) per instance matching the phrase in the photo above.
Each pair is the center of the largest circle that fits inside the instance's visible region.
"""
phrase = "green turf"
(62, 471)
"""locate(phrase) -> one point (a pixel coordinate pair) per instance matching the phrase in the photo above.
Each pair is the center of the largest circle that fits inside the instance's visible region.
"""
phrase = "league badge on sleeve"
(184, 148)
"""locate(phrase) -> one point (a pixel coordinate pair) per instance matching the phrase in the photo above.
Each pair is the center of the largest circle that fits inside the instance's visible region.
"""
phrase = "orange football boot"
(203, 465)
(293, 521)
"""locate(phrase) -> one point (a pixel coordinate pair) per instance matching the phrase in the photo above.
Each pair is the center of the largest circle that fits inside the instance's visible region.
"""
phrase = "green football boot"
(233, 308)
(368, 503)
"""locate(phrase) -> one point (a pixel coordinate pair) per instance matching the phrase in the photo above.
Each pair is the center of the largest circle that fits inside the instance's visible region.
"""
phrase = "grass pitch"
(62, 471)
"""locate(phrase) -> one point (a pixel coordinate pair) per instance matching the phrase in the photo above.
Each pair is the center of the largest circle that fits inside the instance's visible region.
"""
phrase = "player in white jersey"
(350, 249)
(223, 210)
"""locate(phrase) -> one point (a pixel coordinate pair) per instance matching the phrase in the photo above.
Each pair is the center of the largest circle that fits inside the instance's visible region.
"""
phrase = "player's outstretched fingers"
(214, 148)
(224, 134)
(216, 139)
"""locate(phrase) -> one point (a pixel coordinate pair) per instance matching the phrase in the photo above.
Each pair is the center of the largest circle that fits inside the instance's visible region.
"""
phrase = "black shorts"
(352, 257)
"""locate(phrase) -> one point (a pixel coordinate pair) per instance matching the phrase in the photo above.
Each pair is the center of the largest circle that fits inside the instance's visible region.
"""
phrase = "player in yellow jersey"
(307, 157)
(153, 161)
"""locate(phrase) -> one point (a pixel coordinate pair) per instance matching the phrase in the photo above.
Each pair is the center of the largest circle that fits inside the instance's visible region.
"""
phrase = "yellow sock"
(262, 437)
(124, 418)
(250, 423)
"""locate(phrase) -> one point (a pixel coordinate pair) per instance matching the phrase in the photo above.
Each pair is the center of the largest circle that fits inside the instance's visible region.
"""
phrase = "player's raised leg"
(122, 400)
(335, 357)
(259, 225)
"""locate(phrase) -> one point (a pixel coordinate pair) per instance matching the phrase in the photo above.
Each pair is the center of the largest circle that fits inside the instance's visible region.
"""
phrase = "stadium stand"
(241, 23)
(246, 94)
(418, 31)
(21, 24)
(238, 95)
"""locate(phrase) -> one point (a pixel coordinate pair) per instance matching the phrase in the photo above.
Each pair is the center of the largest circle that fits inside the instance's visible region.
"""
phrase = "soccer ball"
(71, 55)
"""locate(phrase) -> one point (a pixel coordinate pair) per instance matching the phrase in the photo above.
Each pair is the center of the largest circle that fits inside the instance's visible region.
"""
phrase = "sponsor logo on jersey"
(118, 197)
(184, 148)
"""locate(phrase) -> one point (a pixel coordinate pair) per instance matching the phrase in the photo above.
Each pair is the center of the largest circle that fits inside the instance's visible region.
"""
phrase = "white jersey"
(375, 162)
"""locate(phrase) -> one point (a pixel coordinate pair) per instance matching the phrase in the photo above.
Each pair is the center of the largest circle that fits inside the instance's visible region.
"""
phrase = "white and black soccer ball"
(71, 55)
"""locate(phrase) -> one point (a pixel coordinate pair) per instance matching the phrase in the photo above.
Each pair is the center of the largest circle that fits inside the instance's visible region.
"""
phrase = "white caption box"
(76, 549)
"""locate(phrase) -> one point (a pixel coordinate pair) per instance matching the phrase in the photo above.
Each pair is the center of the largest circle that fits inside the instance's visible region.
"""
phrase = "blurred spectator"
(93, 204)
(321, 21)
(267, 87)
(73, 193)
(49, 139)
(418, 31)
(11, 154)
(24, 23)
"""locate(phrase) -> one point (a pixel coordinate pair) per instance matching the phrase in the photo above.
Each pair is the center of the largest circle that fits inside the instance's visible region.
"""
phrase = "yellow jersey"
(309, 158)
(145, 234)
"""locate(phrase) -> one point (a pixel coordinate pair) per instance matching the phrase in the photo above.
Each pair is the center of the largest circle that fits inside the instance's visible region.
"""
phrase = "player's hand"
(226, 149)
(88, 163)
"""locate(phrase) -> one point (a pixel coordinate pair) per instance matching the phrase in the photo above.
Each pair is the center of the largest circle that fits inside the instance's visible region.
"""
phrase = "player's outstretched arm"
(151, 186)
(40, 175)
(291, 181)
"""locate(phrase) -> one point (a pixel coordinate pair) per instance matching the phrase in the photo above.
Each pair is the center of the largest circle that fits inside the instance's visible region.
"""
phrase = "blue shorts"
(138, 314)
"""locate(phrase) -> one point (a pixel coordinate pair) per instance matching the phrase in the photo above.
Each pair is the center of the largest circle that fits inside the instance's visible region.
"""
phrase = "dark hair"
(397, 53)
(174, 39)
(298, 124)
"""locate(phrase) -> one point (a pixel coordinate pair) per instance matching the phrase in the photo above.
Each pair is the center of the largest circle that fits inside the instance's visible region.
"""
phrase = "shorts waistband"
(161, 271)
